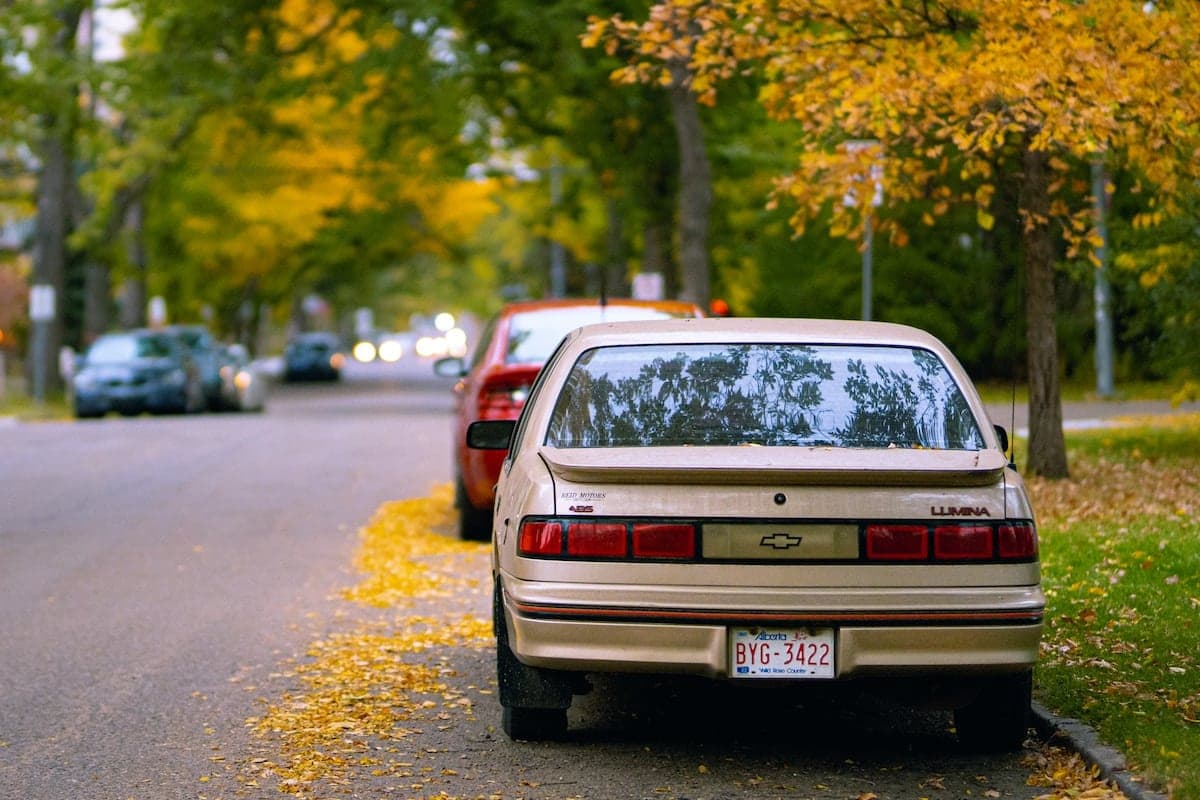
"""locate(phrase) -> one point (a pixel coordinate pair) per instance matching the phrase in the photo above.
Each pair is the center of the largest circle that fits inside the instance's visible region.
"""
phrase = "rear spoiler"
(823, 466)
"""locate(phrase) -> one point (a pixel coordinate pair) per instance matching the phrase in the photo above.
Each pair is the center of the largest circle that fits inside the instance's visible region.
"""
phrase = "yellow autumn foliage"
(972, 81)
(272, 182)
(374, 684)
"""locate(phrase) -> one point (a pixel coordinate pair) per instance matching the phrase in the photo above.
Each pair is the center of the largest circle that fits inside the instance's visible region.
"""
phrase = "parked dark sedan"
(314, 356)
(135, 371)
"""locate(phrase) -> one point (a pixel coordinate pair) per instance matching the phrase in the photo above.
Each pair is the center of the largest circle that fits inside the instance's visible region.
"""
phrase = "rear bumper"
(130, 400)
(937, 640)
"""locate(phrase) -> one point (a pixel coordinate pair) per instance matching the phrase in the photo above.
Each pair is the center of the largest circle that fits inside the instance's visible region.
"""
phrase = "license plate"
(781, 652)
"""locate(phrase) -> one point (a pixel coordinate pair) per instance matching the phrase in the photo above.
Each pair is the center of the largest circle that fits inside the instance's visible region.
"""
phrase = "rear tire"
(534, 724)
(998, 718)
(534, 700)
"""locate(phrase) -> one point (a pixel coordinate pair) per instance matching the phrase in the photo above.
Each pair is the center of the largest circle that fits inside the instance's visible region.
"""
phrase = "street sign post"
(851, 200)
(41, 314)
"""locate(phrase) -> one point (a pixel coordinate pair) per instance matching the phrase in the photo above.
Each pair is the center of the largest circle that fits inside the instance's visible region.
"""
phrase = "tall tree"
(270, 149)
(948, 95)
(543, 91)
(58, 121)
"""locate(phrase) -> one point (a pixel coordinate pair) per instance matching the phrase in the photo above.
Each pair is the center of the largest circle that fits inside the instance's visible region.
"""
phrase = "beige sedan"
(762, 500)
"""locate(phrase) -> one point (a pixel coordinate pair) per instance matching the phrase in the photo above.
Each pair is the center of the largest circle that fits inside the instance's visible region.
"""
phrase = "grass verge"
(1121, 566)
(15, 403)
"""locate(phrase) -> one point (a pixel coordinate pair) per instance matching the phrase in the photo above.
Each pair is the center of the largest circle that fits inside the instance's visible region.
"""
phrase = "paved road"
(1087, 414)
(147, 563)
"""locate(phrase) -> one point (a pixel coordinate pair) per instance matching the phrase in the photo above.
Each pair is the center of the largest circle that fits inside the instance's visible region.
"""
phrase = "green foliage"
(1156, 275)
(555, 106)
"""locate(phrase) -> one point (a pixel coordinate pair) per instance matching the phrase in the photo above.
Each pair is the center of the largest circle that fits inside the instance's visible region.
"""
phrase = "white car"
(243, 384)
(762, 500)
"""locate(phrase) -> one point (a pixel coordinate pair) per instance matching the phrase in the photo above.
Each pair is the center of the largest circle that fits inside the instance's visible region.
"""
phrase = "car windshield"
(762, 394)
(119, 349)
(533, 335)
(313, 343)
(194, 339)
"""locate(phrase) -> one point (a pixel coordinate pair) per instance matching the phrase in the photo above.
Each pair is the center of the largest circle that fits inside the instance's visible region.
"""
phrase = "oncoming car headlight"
(364, 352)
(390, 351)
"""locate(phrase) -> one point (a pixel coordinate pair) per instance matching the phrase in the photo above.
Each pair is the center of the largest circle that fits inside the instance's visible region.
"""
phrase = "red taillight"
(597, 540)
(1018, 540)
(608, 538)
(962, 542)
(541, 538)
(897, 542)
(980, 541)
(658, 540)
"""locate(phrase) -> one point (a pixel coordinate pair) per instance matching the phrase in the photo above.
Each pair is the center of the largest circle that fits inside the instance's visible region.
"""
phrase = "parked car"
(512, 348)
(313, 356)
(206, 354)
(243, 385)
(134, 371)
(762, 501)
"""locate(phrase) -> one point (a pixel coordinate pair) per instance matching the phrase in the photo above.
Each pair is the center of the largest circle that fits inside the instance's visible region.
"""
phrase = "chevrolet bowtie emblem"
(781, 541)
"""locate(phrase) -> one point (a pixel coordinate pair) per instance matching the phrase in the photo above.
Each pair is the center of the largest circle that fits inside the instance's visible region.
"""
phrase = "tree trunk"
(695, 189)
(97, 301)
(612, 271)
(133, 306)
(654, 249)
(1047, 449)
(54, 193)
(50, 251)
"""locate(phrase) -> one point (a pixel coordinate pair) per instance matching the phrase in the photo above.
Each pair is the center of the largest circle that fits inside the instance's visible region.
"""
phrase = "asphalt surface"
(152, 568)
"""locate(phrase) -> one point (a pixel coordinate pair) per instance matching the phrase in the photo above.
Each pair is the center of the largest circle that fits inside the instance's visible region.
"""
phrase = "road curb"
(1084, 740)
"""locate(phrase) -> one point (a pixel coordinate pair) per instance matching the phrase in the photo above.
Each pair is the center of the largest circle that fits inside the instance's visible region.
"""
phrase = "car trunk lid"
(776, 466)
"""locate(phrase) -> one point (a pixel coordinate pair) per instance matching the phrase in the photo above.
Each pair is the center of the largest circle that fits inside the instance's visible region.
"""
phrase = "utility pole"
(558, 260)
(868, 265)
(851, 200)
(1102, 294)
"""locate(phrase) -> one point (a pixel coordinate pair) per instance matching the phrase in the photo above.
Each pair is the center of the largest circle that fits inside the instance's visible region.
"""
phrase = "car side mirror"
(450, 367)
(490, 434)
(1002, 435)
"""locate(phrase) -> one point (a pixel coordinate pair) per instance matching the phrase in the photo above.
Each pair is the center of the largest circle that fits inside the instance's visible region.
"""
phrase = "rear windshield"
(533, 335)
(762, 394)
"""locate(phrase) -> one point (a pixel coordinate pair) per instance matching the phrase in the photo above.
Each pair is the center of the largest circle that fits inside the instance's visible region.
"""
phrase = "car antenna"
(603, 287)
(1012, 411)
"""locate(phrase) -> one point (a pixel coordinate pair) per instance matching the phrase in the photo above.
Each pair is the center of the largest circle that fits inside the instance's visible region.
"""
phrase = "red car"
(512, 348)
